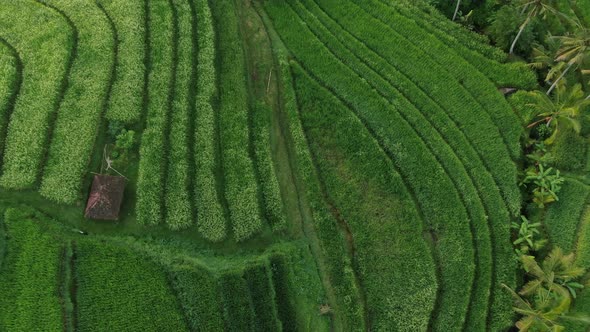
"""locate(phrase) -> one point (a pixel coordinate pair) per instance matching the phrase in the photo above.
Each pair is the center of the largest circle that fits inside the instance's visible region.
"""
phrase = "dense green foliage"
(238, 310)
(126, 101)
(210, 218)
(75, 132)
(241, 188)
(28, 276)
(153, 162)
(137, 288)
(45, 42)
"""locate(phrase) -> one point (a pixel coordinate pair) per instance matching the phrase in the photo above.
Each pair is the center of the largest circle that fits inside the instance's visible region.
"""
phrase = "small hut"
(106, 196)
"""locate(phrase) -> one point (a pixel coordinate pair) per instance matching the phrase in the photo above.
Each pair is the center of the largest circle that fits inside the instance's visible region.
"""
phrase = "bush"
(75, 131)
(46, 51)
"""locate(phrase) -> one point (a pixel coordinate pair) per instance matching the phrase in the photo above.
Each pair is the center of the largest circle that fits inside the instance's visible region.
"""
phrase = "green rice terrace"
(294, 165)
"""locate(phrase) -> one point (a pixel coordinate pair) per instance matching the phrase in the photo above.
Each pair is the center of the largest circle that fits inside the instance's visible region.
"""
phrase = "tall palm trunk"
(559, 78)
(526, 22)
(456, 9)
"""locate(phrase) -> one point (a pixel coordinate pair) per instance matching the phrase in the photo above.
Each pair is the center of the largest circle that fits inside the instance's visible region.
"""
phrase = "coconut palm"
(535, 8)
(543, 57)
(560, 112)
(547, 297)
(574, 51)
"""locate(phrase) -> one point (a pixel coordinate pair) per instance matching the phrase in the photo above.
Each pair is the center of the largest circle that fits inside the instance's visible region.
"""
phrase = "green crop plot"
(290, 165)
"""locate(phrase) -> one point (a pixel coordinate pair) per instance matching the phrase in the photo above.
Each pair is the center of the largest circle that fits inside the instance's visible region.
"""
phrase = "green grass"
(241, 188)
(82, 107)
(29, 274)
(137, 288)
(45, 42)
(126, 99)
(154, 146)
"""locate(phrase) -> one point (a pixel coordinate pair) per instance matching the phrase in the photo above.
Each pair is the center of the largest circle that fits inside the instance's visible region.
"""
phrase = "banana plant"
(546, 184)
(527, 240)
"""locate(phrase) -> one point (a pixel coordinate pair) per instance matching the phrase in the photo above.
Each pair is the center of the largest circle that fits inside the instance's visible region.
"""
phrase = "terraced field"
(307, 165)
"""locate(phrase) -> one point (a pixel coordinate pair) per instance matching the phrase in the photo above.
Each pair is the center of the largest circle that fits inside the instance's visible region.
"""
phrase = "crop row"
(462, 42)
(337, 263)
(126, 100)
(198, 292)
(455, 96)
(241, 190)
(153, 149)
(10, 77)
(177, 198)
(238, 308)
(137, 288)
(210, 217)
(46, 51)
(378, 208)
(271, 192)
(562, 217)
(457, 69)
(263, 296)
(583, 238)
(463, 148)
(28, 277)
(419, 167)
(81, 109)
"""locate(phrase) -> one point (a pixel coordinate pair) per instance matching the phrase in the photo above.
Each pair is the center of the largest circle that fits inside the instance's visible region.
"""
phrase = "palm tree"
(535, 8)
(561, 111)
(456, 9)
(546, 298)
(574, 51)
